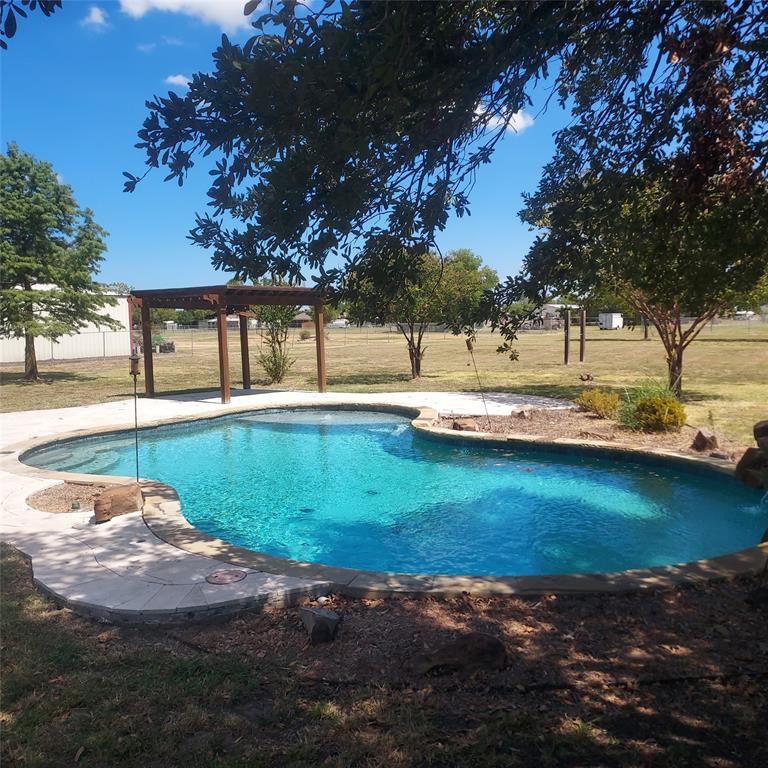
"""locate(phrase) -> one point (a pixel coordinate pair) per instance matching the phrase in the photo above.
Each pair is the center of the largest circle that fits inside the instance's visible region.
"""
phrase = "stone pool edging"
(163, 517)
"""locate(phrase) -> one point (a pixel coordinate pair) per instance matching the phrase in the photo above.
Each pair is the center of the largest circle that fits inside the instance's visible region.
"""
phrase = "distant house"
(302, 320)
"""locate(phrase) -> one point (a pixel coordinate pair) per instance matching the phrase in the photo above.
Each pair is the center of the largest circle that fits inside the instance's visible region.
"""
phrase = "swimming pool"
(362, 489)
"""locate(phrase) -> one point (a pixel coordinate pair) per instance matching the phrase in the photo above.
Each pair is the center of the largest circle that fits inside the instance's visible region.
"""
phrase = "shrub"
(603, 404)
(659, 413)
(652, 407)
(305, 334)
(275, 363)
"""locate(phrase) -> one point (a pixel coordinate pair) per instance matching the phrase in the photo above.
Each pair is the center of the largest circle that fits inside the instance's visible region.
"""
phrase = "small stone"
(320, 623)
(323, 600)
(523, 414)
(752, 468)
(705, 440)
(466, 425)
(720, 455)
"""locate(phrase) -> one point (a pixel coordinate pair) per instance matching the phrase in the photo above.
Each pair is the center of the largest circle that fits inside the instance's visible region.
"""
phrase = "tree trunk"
(675, 368)
(30, 359)
(414, 353)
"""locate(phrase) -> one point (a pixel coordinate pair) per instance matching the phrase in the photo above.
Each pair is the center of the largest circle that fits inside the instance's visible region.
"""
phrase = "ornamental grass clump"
(652, 408)
(599, 402)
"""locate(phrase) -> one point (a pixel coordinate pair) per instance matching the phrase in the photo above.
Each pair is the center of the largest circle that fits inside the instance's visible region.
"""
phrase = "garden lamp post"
(134, 358)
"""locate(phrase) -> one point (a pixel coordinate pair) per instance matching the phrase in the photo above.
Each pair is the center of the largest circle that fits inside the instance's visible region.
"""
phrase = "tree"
(274, 321)
(10, 9)
(334, 126)
(442, 291)
(49, 250)
(624, 234)
(680, 231)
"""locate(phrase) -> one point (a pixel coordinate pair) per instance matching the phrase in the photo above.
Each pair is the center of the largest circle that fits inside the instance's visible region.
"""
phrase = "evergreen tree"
(49, 251)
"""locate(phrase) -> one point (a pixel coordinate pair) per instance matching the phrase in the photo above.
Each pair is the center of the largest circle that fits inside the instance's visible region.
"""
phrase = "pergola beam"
(320, 346)
(221, 333)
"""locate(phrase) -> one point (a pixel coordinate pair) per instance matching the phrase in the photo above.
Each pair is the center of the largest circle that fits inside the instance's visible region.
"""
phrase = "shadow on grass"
(609, 680)
(370, 378)
(46, 377)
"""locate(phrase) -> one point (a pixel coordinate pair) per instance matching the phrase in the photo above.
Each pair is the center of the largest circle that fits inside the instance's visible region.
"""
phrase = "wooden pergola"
(225, 300)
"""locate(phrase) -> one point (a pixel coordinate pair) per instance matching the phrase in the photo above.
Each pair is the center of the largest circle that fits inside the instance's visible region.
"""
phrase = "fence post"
(582, 334)
(567, 336)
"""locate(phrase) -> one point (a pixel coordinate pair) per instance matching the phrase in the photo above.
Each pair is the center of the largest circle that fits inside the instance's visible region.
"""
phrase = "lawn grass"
(661, 689)
(725, 379)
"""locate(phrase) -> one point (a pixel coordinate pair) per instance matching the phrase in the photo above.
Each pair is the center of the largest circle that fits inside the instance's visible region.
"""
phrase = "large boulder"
(760, 431)
(468, 653)
(466, 425)
(118, 500)
(320, 623)
(752, 468)
(705, 440)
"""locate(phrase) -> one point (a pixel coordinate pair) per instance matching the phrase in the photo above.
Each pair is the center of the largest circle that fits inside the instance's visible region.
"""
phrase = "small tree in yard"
(275, 321)
(436, 292)
(49, 251)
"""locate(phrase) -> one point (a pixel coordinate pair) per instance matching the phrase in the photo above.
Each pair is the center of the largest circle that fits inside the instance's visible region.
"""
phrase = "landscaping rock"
(117, 500)
(705, 440)
(466, 425)
(752, 468)
(720, 455)
(760, 431)
(523, 414)
(470, 652)
(320, 623)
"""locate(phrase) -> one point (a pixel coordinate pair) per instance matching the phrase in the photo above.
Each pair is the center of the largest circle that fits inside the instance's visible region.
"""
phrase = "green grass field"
(725, 379)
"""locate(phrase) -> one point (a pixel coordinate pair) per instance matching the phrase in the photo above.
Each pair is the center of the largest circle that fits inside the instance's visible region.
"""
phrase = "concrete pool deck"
(152, 567)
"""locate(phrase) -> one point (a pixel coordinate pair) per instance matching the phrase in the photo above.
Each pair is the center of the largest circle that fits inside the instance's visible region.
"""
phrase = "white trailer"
(610, 321)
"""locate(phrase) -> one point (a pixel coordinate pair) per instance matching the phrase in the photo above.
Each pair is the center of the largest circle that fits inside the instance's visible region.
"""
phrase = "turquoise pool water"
(363, 490)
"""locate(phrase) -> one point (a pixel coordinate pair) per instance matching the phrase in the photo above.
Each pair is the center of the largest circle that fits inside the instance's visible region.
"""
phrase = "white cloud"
(96, 18)
(172, 40)
(227, 14)
(516, 123)
(146, 47)
(181, 81)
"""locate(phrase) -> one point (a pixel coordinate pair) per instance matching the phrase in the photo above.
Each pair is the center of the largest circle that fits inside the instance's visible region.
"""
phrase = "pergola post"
(244, 356)
(146, 337)
(320, 346)
(221, 333)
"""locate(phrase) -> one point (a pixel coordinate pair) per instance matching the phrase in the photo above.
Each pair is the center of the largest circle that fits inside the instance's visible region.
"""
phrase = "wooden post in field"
(582, 334)
(221, 332)
(244, 355)
(567, 336)
(146, 339)
(320, 346)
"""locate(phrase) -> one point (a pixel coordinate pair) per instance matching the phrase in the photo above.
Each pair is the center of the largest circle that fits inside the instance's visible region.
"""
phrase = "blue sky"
(73, 93)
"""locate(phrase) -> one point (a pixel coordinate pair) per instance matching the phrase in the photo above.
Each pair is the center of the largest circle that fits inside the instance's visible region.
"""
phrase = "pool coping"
(163, 516)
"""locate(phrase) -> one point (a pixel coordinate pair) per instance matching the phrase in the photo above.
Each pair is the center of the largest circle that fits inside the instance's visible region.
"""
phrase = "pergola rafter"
(224, 300)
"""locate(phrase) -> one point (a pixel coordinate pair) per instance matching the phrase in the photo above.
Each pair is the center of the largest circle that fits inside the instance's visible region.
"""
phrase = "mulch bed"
(578, 425)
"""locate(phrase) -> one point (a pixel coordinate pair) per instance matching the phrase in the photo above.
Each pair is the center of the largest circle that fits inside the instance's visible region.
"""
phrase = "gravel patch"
(60, 498)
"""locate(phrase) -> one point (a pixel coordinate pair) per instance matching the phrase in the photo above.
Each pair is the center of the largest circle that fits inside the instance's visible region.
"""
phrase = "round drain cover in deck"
(225, 577)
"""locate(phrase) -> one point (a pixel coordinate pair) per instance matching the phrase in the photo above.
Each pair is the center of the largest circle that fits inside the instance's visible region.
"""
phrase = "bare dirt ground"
(578, 425)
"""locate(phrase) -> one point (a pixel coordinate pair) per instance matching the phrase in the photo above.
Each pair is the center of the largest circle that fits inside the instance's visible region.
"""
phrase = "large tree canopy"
(336, 127)
(49, 250)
